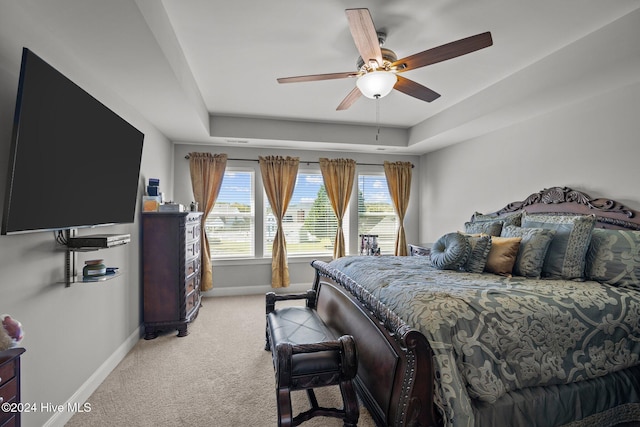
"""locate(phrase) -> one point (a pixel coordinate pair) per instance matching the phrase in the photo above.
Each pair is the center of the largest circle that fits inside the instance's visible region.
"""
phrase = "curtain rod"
(301, 161)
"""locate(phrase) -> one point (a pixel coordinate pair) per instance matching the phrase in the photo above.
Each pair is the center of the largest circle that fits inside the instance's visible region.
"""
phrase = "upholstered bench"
(307, 355)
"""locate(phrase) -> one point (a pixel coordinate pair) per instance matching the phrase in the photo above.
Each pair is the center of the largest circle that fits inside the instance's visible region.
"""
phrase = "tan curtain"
(338, 175)
(399, 182)
(207, 171)
(279, 179)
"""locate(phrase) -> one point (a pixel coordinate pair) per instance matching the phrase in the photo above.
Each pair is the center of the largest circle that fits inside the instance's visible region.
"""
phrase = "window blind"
(230, 226)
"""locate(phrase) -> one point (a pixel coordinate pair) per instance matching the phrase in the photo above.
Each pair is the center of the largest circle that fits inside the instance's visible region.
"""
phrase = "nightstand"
(422, 249)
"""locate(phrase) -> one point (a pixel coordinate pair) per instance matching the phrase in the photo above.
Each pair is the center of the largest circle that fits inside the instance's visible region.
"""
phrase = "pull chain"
(378, 115)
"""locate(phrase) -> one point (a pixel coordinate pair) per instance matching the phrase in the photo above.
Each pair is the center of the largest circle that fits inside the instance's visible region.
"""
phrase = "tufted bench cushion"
(301, 325)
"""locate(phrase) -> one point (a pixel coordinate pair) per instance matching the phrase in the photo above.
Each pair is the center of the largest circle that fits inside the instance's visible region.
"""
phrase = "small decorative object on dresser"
(171, 270)
(11, 332)
(10, 386)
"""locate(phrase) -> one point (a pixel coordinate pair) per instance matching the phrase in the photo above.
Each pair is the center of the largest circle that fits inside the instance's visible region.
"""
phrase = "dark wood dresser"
(10, 386)
(171, 270)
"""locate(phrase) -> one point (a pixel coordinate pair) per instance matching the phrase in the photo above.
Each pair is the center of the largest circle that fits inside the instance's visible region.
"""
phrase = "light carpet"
(218, 375)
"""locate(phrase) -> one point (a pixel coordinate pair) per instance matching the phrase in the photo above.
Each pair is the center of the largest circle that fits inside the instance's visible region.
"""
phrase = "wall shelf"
(96, 279)
(70, 275)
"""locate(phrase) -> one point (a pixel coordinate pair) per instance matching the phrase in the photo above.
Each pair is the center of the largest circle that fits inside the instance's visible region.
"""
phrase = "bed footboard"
(391, 355)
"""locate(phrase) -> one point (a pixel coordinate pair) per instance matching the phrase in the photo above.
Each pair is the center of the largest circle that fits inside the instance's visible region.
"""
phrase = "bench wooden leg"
(351, 409)
(285, 412)
(312, 398)
(267, 343)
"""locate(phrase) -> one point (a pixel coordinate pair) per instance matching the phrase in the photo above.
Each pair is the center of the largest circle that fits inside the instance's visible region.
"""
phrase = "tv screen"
(73, 162)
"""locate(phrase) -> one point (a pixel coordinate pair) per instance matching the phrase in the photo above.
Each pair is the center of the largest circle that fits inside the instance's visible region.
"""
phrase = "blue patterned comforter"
(492, 334)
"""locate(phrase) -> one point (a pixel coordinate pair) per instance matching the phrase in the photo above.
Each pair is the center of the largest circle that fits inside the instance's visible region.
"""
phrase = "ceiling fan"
(378, 69)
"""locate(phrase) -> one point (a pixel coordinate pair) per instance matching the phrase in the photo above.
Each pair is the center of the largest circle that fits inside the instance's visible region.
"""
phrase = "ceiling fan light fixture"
(377, 66)
(376, 84)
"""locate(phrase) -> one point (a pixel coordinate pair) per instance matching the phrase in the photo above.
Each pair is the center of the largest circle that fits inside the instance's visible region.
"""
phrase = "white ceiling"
(237, 49)
(185, 64)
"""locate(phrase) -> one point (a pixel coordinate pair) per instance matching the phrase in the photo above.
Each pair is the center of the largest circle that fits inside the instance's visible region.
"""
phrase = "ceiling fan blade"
(316, 77)
(364, 34)
(444, 52)
(350, 99)
(416, 90)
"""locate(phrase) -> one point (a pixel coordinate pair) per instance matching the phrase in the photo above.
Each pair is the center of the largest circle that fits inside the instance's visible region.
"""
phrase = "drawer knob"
(1, 399)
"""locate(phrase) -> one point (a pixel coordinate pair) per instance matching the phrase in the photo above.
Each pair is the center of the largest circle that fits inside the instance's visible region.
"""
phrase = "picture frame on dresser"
(171, 271)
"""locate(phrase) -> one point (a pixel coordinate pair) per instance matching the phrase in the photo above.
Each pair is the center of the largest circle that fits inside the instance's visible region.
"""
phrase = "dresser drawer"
(10, 422)
(9, 418)
(192, 249)
(192, 302)
(191, 284)
(192, 266)
(192, 231)
(9, 390)
(7, 372)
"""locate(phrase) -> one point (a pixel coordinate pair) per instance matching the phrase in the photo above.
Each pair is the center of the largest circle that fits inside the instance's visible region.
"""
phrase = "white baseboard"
(89, 386)
(255, 290)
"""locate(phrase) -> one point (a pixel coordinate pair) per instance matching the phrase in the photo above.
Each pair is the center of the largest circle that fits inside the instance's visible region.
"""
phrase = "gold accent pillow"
(502, 255)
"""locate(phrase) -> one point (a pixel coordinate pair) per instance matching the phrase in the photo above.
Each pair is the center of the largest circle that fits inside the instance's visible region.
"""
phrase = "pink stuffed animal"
(11, 332)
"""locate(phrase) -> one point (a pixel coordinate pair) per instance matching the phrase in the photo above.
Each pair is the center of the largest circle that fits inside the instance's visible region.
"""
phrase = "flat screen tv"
(73, 163)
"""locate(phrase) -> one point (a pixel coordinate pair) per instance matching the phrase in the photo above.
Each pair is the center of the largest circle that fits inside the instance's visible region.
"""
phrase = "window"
(376, 214)
(230, 226)
(309, 223)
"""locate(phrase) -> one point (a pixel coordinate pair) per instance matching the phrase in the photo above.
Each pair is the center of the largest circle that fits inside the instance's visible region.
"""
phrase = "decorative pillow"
(533, 248)
(492, 228)
(480, 246)
(614, 258)
(450, 252)
(502, 255)
(512, 219)
(565, 257)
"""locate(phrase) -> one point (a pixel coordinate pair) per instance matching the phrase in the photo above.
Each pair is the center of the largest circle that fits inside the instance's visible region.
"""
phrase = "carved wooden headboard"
(564, 200)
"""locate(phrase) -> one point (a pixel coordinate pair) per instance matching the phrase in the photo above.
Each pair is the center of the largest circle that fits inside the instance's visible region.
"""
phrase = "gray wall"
(73, 336)
(234, 276)
(575, 124)
(592, 145)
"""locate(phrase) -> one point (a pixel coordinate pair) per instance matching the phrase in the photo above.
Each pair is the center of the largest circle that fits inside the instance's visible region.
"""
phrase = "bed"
(550, 341)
